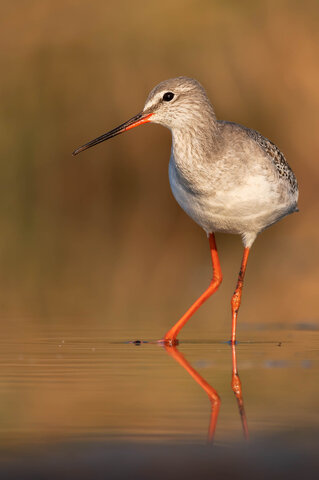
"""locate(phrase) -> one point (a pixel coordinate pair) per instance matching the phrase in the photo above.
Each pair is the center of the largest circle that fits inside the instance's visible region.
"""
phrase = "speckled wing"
(277, 157)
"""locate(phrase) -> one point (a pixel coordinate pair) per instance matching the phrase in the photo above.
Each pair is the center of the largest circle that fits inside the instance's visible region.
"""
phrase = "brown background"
(99, 237)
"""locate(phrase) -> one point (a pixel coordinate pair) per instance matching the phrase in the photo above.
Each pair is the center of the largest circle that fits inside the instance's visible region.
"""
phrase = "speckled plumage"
(277, 156)
(227, 177)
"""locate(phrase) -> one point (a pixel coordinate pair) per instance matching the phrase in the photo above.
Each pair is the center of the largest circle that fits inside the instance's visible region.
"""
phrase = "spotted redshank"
(227, 178)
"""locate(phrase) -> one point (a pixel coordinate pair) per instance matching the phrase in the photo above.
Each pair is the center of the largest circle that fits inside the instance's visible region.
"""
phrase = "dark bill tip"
(139, 119)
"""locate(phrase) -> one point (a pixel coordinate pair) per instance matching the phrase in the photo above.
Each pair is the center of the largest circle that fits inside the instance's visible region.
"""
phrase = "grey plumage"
(227, 177)
(273, 152)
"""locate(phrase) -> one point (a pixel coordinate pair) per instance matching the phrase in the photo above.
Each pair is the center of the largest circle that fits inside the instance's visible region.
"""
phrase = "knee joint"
(235, 301)
(217, 280)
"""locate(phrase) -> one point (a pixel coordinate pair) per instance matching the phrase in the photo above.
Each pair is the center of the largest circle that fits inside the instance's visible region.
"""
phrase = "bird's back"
(242, 185)
(270, 150)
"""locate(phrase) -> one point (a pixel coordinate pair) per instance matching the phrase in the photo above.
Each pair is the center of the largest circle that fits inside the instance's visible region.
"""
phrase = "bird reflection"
(211, 392)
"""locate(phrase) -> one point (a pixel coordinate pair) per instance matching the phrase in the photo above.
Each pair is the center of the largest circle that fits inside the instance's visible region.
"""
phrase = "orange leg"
(236, 387)
(211, 392)
(171, 336)
(236, 299)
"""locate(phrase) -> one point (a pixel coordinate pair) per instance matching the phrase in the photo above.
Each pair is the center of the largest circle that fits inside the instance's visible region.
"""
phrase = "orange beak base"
(139, 119)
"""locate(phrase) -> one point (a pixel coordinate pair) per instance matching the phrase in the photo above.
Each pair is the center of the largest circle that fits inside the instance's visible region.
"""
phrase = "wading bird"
(227, 178)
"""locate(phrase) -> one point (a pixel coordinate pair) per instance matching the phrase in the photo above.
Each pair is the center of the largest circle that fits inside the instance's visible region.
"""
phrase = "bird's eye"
(168, 96)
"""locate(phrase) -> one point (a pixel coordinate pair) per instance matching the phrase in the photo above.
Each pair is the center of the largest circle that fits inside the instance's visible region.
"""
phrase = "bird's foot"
(169, 342)
(232, 342)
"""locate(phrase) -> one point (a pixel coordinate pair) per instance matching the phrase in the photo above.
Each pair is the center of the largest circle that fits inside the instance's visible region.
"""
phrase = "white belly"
(244, 209)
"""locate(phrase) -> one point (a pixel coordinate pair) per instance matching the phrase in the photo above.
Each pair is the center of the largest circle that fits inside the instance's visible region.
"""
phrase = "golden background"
(101, 234)
(97, 242)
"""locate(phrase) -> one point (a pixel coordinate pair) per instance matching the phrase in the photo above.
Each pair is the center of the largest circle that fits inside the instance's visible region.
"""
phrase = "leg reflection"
(236, 386)
(211, 392)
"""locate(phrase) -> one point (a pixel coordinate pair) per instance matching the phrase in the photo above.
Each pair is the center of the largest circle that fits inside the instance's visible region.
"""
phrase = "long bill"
(139, 119)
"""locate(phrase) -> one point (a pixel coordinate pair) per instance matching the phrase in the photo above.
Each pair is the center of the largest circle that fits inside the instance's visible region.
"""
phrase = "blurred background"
(101, 234)
(97, 241)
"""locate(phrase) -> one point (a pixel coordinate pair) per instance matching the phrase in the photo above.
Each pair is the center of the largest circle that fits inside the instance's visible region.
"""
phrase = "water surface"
(80, 385)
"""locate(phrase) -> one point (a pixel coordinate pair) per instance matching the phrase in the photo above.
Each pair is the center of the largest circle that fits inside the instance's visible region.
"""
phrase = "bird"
(228, 178)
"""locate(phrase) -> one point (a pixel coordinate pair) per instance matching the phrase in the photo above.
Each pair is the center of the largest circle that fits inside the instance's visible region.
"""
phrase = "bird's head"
(175, 103)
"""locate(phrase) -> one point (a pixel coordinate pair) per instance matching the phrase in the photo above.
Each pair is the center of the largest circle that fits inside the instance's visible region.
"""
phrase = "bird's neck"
(195, 143)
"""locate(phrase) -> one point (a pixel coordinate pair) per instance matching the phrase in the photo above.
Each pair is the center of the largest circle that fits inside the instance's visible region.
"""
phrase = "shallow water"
(80, 385)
